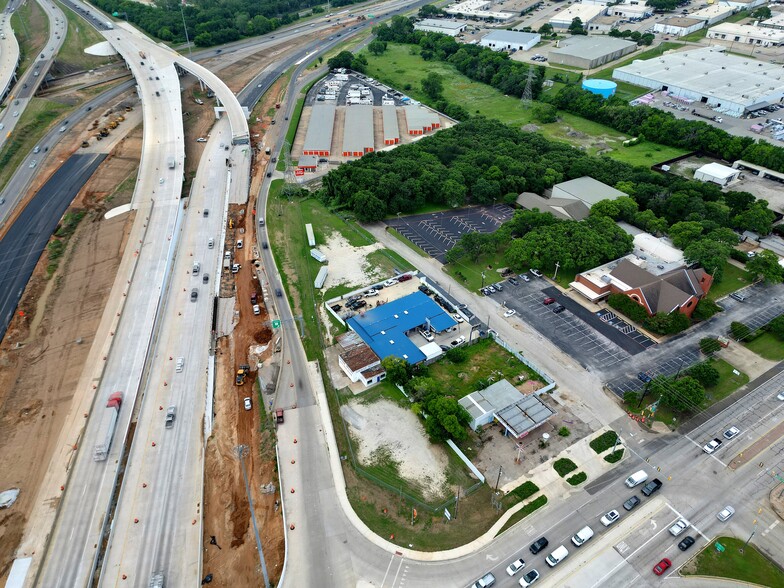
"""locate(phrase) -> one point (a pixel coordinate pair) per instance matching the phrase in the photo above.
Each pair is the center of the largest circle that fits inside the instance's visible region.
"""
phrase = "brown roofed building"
(358, 361)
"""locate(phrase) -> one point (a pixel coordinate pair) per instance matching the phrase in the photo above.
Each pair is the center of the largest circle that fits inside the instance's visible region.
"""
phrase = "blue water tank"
(604, 88)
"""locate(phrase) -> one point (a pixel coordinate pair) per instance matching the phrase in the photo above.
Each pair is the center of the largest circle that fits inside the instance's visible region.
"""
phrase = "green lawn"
(78, 37)
(750, 566)
(767, 346)
(734, 278)
(728, 382)
(535, 504)
(469, 273)
(487, 363)
(404, 71)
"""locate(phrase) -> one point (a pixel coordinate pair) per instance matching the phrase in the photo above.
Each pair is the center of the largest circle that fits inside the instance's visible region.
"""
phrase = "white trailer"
(311, 237)
(108, 425)
(318, 255)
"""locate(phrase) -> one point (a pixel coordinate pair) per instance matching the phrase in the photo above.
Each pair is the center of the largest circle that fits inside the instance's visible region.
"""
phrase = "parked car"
(458, 318)
(525, 277)
(459, 341)
(559, 309)
(404, 278)
(537, 273)
(548, 300)
(631, 503)
(247, 403)
(731, 433)
(610, 518)
(725, 513)
(687, 542)
(515, 567)
(662, 566)
(510, 312)
(529, 578)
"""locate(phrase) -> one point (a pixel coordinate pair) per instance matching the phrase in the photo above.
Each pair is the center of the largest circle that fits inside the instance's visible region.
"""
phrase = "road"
(9, 50)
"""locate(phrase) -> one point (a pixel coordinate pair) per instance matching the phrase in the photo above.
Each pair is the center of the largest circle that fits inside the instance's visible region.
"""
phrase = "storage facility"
(588, 52)
(501, 40)
(747, 34)
(308, 163)
(716, 173)
(443, 26)
(320, 278)
(318, 139)
(420, 120)
(318, 255)
(678, 26)
(630, 9)
(713, 14)
(729, 84)
(587, 13)
(585, 189)
(391, 129)
(358, 131)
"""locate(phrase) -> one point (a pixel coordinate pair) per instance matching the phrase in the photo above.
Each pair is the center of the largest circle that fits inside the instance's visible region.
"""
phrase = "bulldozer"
(242, 372)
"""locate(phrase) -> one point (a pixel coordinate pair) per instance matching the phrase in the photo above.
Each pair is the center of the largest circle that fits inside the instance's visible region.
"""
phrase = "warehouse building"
(727, 83)
(747, 34)
(630, 9)
(776, 21)
(358, 131)
(713, 14)
(420, 120)
(744, 4)
(587, 13)
(391, 129)
(586, 190)
(479, 9)
(308, 163)
(678, 26)
(437, 25)
(716, 173)
(502, 40)
(318, 139)
(589, 52)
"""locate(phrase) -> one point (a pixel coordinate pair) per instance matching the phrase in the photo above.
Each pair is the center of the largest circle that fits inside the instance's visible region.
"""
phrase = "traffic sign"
(276, 324)
(719, 547)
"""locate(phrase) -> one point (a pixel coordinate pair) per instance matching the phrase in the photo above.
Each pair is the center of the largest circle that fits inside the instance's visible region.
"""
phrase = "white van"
(196, 268)
(557, 556)
(582, 536)
(636, 479)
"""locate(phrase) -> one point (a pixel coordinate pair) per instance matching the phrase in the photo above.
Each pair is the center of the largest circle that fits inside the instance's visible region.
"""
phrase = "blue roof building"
(384, 328)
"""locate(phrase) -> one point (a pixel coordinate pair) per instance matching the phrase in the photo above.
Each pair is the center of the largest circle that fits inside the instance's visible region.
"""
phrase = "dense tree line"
(663, 127)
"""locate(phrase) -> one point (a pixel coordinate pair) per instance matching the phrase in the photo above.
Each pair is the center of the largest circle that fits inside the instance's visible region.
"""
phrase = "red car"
(404, 278)
(549, 300)
(662, 566)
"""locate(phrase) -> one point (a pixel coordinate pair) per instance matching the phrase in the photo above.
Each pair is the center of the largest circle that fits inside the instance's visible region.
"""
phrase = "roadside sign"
(719, 547)
(276, 324)
(299, 172)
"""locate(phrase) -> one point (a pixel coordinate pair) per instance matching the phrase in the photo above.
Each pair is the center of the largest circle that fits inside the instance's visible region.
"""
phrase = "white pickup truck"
(712, 446)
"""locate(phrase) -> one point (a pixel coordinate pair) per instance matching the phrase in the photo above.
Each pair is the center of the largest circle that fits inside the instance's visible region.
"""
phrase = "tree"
(762, 13)
(377, 47)
(546, 29)
(545, 113)
(709, 345)
(430, 11)
(368, 207)
(576, 27)
(705, 374)
(757, 217)
(667, 323)
(433, 85)
(724, 235)
(705, 309)
(684, 233)
(739, 331)
(765, 265)
(685, 394)
(711, 255)
(776, 327)
(398, 370)
(341, 60)
(663, 4)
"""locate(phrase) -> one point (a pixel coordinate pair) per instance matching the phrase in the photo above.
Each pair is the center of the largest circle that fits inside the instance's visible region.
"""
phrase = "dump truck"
(85, 144)
(113, 124)
(108, 425)
(128, 108)
(242, 374)
(120, 118)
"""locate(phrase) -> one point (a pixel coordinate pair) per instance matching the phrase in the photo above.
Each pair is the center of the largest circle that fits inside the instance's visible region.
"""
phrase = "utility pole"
(557, 265)
(644, 393)
(241, 451)
(500, 469)
(754, 530)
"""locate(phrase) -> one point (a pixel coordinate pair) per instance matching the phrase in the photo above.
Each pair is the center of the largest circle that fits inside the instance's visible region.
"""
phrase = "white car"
(235, 267)
(537, 273)
(427, 335)
(33, 163)
(610, 518)
(458, 318)
(239, 243)
(731, 433)
(725, 514)
(515, 567)
(679, 527)
(510, 312)
(201, 140)
(529, 578)
(390, 282)
(256, 309)
(247, 403)
(780, 396)
(160, 180)
(16, 113)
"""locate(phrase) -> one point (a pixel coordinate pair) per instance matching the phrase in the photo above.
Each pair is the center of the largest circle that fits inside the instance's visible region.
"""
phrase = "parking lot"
(437, 232)
(668, 366)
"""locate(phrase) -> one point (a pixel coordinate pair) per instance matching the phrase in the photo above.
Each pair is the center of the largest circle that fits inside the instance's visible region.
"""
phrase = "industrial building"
(587, 13)
(630, 9)
(729, 84)
(744, 4)
(678, 26)
(502, 40)
(384, 328)
(420, 120)
(358, 361)
(714, 13)
(443, 26)
(391, 129)
(747, 34)
(358, 131)
(517, 413)
(717, 173)
(318, 139)
(776, 21)
(479, 9)
(588, 52)
(308, 163)
(585, 189)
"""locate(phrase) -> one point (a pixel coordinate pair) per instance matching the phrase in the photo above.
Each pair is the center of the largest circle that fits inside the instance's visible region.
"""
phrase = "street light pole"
(500, 469)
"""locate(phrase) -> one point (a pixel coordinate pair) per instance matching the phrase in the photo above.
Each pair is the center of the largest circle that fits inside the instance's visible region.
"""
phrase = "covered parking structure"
(518, 413)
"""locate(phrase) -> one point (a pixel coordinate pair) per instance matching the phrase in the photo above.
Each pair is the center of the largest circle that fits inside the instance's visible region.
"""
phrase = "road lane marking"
(400, 565)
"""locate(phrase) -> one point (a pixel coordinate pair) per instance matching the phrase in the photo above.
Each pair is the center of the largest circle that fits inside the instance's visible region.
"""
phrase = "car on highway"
(686, 542)
(548, 300)
(725, 514)
(731, 433)
(278, 292)
(246, 403)
(16, 113)
(32, 164)
(662, 566)
(206, 212)
(529, 578)
(515, 567)
(264, 245)
(611, 517)
(36, 149)
(711, 446)
(210, 243)
(652, 486)
(161, 180)
(780, 396)
(194, 294)
(538, 545)
(510, 312)
(631, 503)
(485, 581)
(679, 527)
(205, 279)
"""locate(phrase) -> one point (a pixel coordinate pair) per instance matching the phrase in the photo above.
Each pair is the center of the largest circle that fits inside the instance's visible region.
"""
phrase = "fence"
(550, 382)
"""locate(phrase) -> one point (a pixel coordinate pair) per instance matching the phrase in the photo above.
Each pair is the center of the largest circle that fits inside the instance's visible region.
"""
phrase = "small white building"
(678, 25)
(716, 173)
(747, 34)
(630, 9)
(713, 14)
(587, 13)
(776, 21)
(358, 361)
(443, 26)
(318, 255)
(502, 40)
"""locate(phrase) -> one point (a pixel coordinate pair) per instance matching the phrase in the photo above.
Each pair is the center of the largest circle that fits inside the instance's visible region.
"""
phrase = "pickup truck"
(712, 446)
(485, 581)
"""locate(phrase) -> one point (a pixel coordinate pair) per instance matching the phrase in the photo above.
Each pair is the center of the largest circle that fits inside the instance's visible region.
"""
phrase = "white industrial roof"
(712, 72)
(585, 12)
(711, 12)
(731, 28)
(441, 23)
(504, 36)
(718, 171)
(590, 47)
(776, 20)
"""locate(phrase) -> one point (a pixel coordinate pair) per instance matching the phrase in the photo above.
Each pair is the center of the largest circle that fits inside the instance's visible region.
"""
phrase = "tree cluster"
(685, 394)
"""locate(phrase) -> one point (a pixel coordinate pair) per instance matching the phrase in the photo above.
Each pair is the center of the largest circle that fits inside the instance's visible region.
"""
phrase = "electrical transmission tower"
(528, 93)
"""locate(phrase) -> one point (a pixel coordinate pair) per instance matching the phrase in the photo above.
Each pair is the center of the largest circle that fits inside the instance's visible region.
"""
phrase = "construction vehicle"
(113, 124)
(128, 108)
(108, 425)
(279, 415)
(104, 132)
(157, 580)
(242, 374)
(98, 138)
(120, 118)
(85, 144)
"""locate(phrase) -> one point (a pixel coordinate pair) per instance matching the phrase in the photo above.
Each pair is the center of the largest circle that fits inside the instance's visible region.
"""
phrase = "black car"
(631, 503)
(278, 292)
(538, 545)
(559, 309)
(687, 542)
(652, 486)
(336, 307)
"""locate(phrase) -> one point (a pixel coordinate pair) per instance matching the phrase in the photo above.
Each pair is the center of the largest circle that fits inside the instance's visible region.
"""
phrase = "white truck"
(108, 425)
(171, 162)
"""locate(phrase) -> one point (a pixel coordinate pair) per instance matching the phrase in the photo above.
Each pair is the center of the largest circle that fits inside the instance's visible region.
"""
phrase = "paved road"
(9, 50)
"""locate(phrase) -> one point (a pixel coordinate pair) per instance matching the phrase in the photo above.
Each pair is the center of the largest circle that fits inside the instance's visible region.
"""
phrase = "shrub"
(628, 307)
(457, 354)
(709, 346)
(667, 323)
(705, 374)
(564, 466)
(522, 492)
(604, 441)
(705, 309)
(564, 432)
(631, 396)
(739, 255)
(615, 456)
(577, 478)
(739, 331)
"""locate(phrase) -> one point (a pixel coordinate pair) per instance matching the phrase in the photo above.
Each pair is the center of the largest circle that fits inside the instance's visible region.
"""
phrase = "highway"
(9, 50)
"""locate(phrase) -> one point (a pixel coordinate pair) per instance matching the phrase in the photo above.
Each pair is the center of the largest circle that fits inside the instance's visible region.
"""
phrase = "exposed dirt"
(38, 380)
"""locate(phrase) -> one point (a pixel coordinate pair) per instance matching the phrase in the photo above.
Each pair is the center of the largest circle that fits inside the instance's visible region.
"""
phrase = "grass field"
(767, 346)
(78, 37)
(403, 70)
(734, 278)
(32, 29)
(728, 382)
(750, 566)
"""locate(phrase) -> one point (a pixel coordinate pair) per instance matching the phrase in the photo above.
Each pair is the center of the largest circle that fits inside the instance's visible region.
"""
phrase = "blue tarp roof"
(384, 328)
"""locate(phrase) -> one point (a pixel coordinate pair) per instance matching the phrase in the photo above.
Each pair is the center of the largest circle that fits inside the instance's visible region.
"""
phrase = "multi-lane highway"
(9, 50)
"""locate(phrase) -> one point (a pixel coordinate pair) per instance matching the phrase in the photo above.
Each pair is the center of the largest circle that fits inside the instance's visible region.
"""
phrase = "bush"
(564, 432)
(709, 346)
(631, 396)
(577, 479)
(739, 331)
(705, 309)
(604, 441)
(628, 307)
(667, 323)
(564, 466)
(705, 374)
(615, 456)
(739, 255)
(522, 492)
(457, 354)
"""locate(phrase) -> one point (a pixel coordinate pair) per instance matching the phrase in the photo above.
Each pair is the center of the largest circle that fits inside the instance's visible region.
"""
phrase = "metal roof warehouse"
(358, 130)
(384, 328)
(318, 139)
